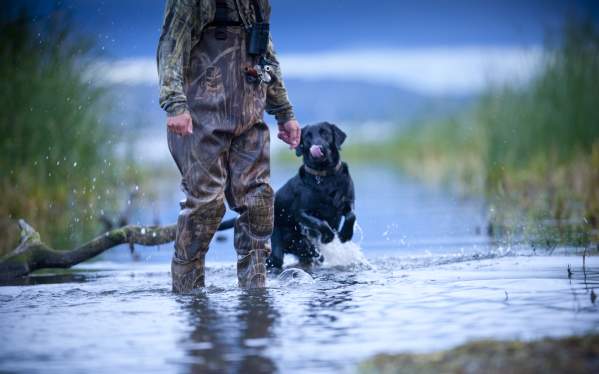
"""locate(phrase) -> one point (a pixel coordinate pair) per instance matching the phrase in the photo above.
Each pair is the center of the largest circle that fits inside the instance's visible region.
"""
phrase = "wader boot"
(188, 275)
(227, 156)
(251, 269)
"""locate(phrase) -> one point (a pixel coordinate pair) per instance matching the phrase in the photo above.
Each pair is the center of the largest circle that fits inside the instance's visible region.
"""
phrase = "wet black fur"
(310, 207)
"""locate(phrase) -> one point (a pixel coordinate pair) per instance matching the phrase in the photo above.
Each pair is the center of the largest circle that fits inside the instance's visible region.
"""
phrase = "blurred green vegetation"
(532, 149)
(57, 164)
(550, 355)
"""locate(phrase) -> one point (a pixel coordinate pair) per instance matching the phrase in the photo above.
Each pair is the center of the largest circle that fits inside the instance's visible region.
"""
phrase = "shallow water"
(105, 317)
(417, 279)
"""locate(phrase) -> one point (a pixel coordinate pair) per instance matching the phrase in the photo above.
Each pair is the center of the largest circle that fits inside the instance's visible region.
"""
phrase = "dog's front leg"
(325, 230)
(347, 230)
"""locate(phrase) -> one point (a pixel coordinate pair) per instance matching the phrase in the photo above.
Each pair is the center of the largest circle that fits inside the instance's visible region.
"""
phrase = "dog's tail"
(226, 225)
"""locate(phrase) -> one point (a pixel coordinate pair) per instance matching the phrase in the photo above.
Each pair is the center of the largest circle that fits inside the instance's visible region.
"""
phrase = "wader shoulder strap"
(222, 20)
(258, 11)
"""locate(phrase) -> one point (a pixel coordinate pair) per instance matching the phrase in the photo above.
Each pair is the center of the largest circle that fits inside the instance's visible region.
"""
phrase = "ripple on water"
(327, 317)
(294, 277)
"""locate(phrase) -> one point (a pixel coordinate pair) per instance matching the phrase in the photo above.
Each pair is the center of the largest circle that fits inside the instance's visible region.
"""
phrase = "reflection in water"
(431, 285)
(110, 322)
(47, 279)
(256, 319)
(230, 338)
(333, 299)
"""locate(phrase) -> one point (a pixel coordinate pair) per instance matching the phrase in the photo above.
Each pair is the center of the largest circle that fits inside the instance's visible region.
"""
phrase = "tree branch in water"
(33, 254)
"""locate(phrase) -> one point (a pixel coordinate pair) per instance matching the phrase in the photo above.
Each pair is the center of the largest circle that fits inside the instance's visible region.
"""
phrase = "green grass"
(555, 118)
(576, 354)
(532, 150)
(57, 168)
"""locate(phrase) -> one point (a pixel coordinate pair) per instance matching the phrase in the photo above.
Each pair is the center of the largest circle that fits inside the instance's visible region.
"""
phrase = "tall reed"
(57, 168)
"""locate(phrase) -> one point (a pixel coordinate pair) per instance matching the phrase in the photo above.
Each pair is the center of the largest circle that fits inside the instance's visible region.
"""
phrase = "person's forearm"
(174, 43)
(277, 100)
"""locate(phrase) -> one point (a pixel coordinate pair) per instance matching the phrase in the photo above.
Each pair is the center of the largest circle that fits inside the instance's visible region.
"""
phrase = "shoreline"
(573, 354)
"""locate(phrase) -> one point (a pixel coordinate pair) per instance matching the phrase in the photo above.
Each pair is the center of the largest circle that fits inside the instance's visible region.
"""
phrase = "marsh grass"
(57, 166)
(532, 149)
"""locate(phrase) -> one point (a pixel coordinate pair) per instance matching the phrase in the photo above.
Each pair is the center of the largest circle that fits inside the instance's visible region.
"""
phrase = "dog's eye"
(323, 133)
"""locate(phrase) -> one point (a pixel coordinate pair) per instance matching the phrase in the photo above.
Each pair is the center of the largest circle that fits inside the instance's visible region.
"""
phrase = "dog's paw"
(327, 236)
(345, 236)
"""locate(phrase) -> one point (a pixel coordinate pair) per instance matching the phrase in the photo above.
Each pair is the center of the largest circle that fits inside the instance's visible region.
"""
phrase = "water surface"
(418, 278)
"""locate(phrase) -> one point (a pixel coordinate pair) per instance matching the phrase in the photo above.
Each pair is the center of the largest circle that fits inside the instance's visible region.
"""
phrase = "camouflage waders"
(227, 156)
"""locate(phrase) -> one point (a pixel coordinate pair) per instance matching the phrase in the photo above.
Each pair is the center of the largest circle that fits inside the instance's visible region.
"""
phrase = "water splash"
(358, 231)
(348, 254)
(428, 259)
(293, 277)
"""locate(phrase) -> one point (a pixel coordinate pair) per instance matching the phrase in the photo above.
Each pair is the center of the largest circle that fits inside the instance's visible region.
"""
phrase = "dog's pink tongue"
(316, 151)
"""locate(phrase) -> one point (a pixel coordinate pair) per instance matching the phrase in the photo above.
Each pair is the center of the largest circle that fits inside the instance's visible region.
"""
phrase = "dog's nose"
(316, 151)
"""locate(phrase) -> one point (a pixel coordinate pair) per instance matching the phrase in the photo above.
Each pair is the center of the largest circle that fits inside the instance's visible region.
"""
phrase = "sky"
(130, 28)
(432, 47)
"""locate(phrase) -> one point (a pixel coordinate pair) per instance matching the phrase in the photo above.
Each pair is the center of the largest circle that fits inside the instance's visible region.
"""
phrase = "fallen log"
(32, 254)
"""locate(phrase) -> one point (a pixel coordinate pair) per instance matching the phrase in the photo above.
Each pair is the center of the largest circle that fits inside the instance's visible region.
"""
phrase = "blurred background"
(480, 119)
(473, 143)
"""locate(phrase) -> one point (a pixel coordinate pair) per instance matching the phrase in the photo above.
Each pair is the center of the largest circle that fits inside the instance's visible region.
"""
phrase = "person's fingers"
(173, 126)
(295, 141)
(181, 129)
(283, 136)
(296, 135)
(286, 140)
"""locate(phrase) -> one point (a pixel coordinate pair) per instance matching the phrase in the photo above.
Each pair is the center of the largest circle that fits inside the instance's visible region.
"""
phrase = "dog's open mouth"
(316, 151)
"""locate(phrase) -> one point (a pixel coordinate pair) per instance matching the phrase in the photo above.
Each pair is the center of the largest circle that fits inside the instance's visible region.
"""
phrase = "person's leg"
(249, 194)
(201, 159)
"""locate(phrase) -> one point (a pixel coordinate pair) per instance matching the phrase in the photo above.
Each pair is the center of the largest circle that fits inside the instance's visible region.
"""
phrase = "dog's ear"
(299, 150)
(338, 135)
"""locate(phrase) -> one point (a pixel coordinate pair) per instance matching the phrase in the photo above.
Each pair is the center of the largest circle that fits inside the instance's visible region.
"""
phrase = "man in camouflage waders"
(218, 73)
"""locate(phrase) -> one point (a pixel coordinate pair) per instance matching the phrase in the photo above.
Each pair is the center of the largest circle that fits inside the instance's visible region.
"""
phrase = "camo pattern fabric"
(188, 276)
(251, 269)
(184, 27)
(216, 164)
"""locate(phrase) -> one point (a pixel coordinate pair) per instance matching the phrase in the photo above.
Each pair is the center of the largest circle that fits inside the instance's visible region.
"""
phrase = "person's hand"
(290, 133)
(180, 124)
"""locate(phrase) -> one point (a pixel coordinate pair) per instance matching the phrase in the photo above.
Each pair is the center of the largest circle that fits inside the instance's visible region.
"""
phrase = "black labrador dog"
(311, 205)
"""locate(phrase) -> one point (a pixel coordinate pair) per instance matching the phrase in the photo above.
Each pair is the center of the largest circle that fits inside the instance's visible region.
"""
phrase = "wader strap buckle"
(259, 74)
(222, 20)
(221, 13)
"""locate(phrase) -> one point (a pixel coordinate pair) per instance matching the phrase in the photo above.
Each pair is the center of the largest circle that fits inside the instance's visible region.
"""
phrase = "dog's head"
(320, 145)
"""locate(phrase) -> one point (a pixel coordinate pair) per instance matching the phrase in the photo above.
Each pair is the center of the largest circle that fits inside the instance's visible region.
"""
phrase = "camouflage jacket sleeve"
(277, 101)
(173, 53)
